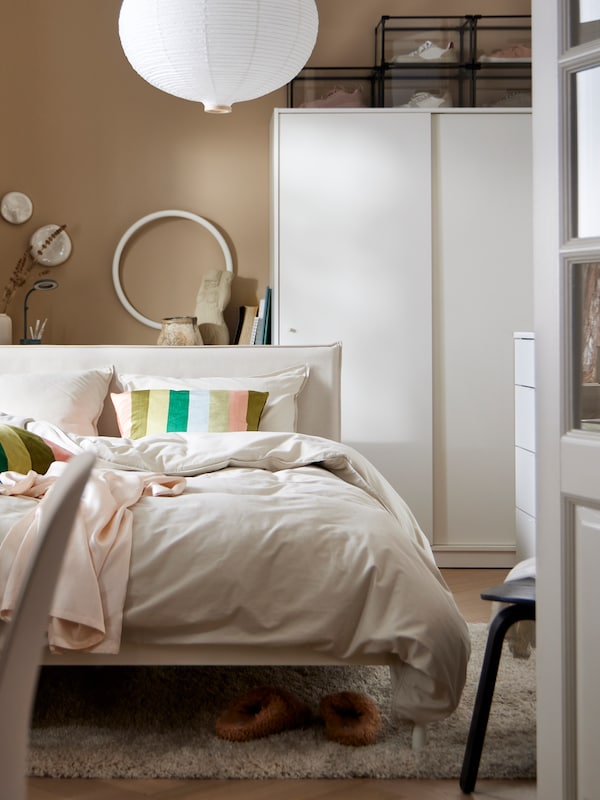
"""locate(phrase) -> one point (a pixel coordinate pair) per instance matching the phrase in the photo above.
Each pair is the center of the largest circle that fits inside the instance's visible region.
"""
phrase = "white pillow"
(71, 400)
(280, 411)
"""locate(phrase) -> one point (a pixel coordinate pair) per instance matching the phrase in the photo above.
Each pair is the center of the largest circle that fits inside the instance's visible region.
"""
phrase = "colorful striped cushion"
(147, 411)
(22, 451)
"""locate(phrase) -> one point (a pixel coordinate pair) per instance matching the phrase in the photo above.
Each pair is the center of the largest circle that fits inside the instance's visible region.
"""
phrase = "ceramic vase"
(5, 329)
(179, 331)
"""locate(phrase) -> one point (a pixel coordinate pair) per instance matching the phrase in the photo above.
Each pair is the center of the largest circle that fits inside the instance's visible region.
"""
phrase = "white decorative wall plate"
(57, 251)
(16, 207)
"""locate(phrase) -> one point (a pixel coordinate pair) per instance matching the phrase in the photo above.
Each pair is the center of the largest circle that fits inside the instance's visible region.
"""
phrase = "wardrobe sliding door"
(352, 263)
(483, 290)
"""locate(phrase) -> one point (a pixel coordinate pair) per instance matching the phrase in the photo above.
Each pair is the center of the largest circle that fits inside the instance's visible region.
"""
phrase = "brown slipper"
(262, 712)
(350, 718)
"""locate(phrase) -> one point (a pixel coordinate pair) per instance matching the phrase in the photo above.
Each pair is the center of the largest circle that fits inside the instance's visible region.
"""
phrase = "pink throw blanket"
(87, 609)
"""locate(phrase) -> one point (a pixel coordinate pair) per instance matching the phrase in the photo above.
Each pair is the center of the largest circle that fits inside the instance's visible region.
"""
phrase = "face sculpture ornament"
(213, 296)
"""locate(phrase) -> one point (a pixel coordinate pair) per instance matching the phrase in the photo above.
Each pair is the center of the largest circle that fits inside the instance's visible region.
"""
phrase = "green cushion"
(22, 451)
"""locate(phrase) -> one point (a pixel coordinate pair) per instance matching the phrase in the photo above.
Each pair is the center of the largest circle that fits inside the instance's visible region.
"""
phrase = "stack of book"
(254, 322)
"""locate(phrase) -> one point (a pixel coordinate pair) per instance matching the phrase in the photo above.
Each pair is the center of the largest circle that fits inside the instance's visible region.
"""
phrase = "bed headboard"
(318, 402)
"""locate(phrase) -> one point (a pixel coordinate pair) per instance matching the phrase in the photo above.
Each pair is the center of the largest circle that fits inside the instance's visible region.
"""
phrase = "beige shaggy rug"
(158, 722)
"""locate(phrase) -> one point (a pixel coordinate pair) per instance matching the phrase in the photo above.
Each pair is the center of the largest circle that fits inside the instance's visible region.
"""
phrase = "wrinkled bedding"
(86, 612)
(282, 540)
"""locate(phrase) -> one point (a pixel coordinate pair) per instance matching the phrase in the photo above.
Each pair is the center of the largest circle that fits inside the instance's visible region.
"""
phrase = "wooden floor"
(466, 585)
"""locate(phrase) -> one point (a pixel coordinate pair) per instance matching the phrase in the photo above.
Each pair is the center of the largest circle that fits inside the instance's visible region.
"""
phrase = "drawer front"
(525, 417)
(524, 362)
(525, 535)
(525, 480)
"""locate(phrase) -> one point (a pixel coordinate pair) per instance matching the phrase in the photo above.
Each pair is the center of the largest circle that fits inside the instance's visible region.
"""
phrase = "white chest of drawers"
(524, 344)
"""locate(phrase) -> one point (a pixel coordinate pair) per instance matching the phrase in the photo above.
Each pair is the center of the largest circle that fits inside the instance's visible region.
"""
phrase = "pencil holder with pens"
(35, 333)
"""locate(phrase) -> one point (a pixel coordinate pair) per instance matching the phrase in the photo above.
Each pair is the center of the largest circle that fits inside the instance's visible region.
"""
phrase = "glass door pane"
(585, 305)
(586, 97)
(585, 22)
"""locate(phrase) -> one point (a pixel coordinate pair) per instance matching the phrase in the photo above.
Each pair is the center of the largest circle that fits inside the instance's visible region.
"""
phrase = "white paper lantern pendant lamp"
(218, 52)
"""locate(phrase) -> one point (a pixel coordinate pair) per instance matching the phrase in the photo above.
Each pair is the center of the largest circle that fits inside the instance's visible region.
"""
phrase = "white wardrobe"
(406, 235)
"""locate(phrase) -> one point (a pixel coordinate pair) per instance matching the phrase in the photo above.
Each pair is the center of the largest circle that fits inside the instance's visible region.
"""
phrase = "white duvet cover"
(282, 540)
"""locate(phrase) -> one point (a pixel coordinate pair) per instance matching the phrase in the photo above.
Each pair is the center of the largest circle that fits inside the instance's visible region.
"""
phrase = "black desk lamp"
(43, 285)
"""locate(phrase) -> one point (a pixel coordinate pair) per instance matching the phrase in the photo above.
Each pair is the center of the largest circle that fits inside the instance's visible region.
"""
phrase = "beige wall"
(96, 147)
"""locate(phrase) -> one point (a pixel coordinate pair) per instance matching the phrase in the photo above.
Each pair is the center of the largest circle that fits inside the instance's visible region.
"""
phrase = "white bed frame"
(318, 402)
(318, 414)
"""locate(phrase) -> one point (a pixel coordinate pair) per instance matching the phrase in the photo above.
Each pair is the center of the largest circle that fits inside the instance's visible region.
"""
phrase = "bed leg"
(419, 737)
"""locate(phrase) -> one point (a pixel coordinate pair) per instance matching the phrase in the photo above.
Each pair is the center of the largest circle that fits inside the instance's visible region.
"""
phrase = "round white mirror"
(116, 266)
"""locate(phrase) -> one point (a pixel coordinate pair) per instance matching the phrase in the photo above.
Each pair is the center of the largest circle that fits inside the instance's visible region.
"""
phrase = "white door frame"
(566, 459)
